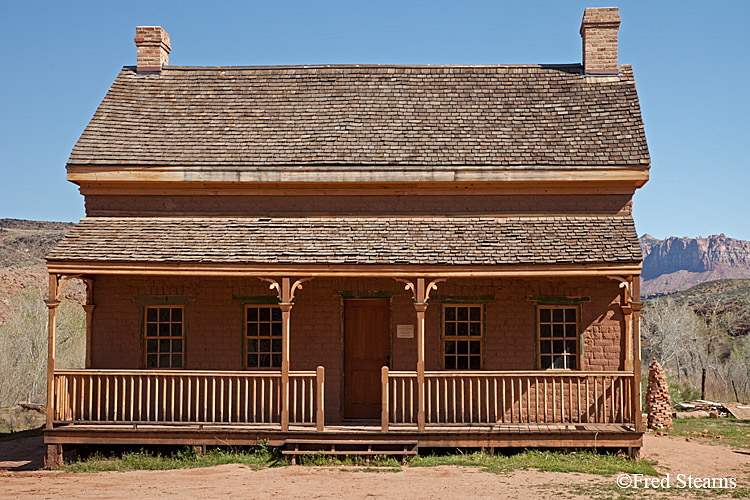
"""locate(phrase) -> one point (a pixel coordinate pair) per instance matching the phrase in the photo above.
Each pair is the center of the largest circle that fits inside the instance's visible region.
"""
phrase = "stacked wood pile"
(658, 406)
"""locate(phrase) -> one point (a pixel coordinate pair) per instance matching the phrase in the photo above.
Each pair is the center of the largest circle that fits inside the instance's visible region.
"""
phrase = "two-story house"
(385, 255)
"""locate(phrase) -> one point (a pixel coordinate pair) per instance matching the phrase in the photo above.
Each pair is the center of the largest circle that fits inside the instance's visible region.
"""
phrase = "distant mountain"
(679, 263)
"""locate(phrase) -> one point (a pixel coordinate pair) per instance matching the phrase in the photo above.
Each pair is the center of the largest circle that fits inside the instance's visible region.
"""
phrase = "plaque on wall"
(405, 331)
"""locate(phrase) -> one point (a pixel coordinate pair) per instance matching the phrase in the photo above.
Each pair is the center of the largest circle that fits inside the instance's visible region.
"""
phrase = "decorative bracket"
(274, 285)
(624, 283)
(414, 291)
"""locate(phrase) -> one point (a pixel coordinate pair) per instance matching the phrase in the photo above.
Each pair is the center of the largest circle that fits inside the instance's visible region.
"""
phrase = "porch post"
(89, 308)
(627, 312)
(421, 307)
(286, 308)
(52, 304)
(636, 328)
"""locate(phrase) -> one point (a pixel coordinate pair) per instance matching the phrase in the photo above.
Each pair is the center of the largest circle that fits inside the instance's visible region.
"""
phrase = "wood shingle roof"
(367, 115)
(355, 240)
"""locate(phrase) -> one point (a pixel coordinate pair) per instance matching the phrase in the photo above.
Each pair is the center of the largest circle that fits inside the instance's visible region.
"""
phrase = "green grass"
(580, 461)
(733, 432)
(258, 458)
(352, 460)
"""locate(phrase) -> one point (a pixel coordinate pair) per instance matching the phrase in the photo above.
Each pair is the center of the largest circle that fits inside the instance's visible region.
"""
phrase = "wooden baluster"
(74, 403)
(394, 387)
(320, 376)
(471, 400)
(140, 397)
(229, 400)
(570, 399)
(271, 391)
(613, 398)
(520, 399)
(429, 400)
(588, 405)
(562, 400)
(263, 400)
(494, 398)
(487, 398)
(578, 396)
(463, 400)
(106, 400)
(311, 392)
(247, 397)
(164, 379)
(504, 407)
(221, 399)
(294, 399)
(403, 400)
(528, 400)
(512, 400)
(455, 407)
(411, 399)
(596, 400)
(239, 399)
(384, 399)
(536, 400)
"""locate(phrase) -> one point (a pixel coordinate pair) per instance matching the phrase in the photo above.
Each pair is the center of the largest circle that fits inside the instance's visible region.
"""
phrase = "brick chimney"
(599, 34)
(153, 47)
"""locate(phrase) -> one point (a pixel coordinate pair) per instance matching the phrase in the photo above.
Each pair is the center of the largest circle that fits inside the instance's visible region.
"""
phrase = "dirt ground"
(20, 479)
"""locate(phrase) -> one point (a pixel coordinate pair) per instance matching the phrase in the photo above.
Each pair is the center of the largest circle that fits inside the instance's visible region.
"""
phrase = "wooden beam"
(349, 270)
(88, 307)
(286, 308)
(384, 381)
(320, 413)
(637, 305)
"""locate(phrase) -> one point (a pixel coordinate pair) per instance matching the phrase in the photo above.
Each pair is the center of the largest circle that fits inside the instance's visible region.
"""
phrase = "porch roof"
(450, 241)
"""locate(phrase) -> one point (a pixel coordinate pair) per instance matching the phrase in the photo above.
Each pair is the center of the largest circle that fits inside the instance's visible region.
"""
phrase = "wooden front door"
(366, 350)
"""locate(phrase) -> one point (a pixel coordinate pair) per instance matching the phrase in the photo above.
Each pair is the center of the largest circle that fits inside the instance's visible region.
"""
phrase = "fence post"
(384, 399)
(320, 413)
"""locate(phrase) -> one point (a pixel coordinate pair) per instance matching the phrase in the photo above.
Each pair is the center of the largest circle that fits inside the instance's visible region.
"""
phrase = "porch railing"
(484, 397)
(174, 396)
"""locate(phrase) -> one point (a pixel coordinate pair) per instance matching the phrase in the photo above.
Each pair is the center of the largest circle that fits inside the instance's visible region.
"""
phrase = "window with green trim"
(557, 337)
(462, 337)
(164, 336)
(263, 336)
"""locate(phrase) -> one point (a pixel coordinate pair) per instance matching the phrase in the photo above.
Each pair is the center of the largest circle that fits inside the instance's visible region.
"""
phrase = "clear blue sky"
(691, 62)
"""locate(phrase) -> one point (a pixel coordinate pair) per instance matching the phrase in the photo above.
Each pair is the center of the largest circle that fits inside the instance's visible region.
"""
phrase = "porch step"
(353, 447)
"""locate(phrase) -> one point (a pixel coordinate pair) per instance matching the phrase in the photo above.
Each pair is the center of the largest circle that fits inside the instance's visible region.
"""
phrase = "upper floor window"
(462, 337)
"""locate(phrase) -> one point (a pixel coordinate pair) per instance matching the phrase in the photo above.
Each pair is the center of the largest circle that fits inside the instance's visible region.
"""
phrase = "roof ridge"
(369, 65)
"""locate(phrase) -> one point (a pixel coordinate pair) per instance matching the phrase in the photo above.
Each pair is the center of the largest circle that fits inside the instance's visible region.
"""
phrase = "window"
(263, 336)
(462, 337)
(164, 336)
(558, 338)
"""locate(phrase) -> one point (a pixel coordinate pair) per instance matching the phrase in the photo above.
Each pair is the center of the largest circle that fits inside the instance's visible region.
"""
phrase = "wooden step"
(354, 447)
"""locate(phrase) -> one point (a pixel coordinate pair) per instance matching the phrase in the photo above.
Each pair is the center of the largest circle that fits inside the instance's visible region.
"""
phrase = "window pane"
(546, 362)
(570, 315)
(475, 347)
(558, 346)
(163, 314)
(462, 329)
(164, 346)
(151, 313)
(252, 329)
(545, 330)
(571, 330)
(475, 329)
(545, 346)
(475, 314)
(177, 345)
(450, 314)
(276, 329)
(152, 345)
(276, 358)
(265, 345)
(571, 362)
(264, 329)
(163, 329)
(559, 362)
(275, 314)
(462, 363)
(252, 345)
(151, 329)
(450, 363)
(252, 314)
(252, 360)
(475, 363)
(163, 360)
(544, 315)
(450, 347)
(177, 329)
(264, 360)
(558, 330)
(176, 314)
(557, 315)
(462, 347)
(570, 346)
(151, 361)
(450, 329)
(176, 360)
(276, 345)
(264, 314)
(462, 313)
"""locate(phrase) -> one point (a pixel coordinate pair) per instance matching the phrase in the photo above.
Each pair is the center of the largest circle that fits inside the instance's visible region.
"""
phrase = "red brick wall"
(249, 206)
(214, 326)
